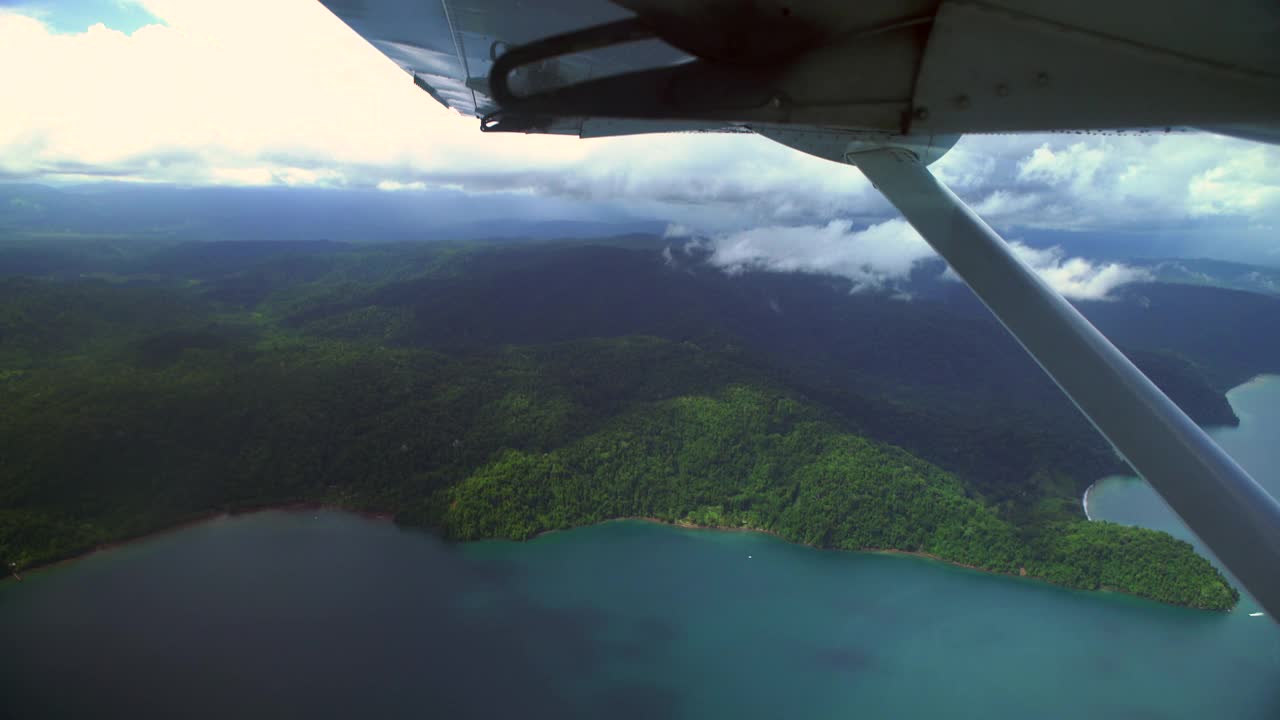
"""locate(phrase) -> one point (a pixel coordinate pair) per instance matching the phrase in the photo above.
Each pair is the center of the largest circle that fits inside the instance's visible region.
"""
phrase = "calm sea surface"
(287, 614)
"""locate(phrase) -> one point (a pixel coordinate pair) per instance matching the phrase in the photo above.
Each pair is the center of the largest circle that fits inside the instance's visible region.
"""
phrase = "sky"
(245, 92)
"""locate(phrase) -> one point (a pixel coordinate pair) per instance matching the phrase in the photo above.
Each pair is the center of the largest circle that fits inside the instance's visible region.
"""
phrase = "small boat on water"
(1257, 614)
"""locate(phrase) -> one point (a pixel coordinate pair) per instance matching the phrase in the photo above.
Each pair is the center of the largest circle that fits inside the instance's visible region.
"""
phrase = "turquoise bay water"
(288, 614)
(332, 615)
(1255, 444)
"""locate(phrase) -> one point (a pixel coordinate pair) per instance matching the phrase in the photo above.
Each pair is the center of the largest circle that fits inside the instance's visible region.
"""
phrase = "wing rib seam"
(462, 58)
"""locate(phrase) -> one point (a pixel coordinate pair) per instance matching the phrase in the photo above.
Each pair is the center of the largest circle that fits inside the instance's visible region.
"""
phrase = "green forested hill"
(750, 459)
(502, 392)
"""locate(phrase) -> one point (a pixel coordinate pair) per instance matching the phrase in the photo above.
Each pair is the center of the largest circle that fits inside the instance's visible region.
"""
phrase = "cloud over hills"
(882, 256)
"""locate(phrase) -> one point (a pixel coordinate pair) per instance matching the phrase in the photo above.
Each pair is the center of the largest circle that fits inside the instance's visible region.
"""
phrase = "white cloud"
(1006, 203)
(871, 258)
(233, 86)
(1070, 182)
(245, 92)
(1077, 165)
(394, 186)
(1244, 183)
(884, 254)
(1075, 277)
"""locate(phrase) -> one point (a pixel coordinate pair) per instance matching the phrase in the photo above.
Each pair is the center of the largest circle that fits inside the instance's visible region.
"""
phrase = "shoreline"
(379, 516)
(194, 521)
(299, 507)
(1260, 377)
(1022, 572)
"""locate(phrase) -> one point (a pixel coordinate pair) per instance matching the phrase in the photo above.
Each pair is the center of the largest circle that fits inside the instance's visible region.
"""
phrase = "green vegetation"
(1101, 555)
(751, 459)
(502, 393)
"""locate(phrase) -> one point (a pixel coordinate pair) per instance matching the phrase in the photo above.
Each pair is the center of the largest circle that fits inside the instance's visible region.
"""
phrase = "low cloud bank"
(1076, 277)
(881, 256)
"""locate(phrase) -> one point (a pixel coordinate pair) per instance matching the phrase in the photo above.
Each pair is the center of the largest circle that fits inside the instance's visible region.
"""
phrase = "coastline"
(193, 521)
(378, 516)
(299, 507)
(1259, 378)
(1256, 378)
(684, 525)
(1021, 574)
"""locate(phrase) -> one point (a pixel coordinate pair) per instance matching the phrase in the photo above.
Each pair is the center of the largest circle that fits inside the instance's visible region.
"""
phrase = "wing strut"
(1216, 498)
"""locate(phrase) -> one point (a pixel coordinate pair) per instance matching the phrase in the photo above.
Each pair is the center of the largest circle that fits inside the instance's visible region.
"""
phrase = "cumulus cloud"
(1244, 183)
(1075, 277)
(246, 92)
(882, 255)
(1072, 182)
(872, 257)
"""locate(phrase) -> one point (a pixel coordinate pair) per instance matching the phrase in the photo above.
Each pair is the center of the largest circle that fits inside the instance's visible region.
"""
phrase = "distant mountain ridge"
(170, 213)
(1214, 273)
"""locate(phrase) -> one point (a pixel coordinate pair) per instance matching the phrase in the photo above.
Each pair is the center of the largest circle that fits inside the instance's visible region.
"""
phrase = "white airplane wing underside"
(917, 67)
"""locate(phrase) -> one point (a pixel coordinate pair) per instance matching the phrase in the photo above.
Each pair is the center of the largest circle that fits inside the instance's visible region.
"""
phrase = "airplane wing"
(917, 67)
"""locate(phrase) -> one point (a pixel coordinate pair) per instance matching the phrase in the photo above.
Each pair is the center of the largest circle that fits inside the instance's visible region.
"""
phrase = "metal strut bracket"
(520, 112)
(592, 38)
(785, 82)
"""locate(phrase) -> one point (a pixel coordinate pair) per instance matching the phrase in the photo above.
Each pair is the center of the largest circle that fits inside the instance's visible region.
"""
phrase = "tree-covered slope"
(939, 379)
(501, 392)
(751, 459)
